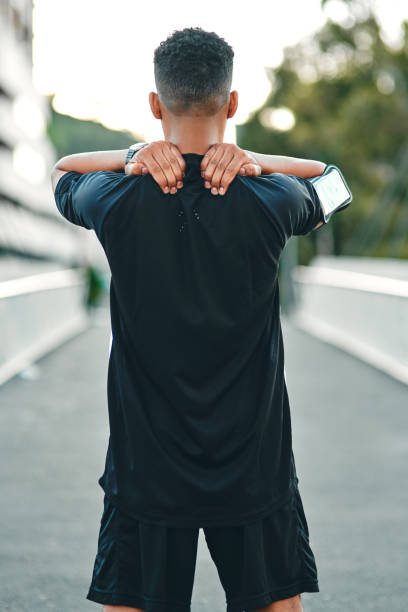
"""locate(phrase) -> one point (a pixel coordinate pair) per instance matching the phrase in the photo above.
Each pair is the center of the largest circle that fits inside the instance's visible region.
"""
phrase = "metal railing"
(39, 312)
(365, 314)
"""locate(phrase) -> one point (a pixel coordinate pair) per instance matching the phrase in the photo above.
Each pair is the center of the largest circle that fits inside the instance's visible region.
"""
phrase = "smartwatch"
(133, 149)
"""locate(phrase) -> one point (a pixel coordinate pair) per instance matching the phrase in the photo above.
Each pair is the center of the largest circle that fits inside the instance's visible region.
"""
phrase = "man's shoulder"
(274, 185)
(86, 180)
(271, 180)
(108, 187)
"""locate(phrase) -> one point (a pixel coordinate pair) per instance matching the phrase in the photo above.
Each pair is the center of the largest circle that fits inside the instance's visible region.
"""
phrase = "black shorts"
(152, 567)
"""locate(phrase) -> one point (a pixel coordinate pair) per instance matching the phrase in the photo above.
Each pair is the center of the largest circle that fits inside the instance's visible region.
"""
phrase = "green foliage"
(70, 135)
(349, 93)
(96, 286)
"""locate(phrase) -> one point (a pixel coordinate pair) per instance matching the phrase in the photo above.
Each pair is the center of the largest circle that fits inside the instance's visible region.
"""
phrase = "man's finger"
(134, 167)
(250, 170)
(211, 166)
(172, 157)
(155, 170)
(208, 155)
(231, 172)
(166, 168)
(164, 162)
(222, 165)
(177, 161)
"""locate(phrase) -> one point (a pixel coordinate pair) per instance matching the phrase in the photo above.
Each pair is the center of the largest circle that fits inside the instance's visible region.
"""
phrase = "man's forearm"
(94, 161)
(306, 168)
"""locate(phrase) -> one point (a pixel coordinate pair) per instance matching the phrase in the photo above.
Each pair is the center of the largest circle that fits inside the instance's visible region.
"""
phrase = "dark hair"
(193, 72)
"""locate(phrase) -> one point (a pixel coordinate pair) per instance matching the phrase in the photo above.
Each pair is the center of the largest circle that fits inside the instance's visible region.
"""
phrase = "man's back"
(199, 414)
(200, 432)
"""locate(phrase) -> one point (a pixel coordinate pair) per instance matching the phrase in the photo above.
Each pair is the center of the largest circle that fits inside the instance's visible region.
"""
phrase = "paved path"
(351, 449)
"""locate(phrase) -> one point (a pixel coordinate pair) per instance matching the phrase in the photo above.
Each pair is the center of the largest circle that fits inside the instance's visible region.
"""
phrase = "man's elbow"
(318, 225)
(309, 168)
(56, 174)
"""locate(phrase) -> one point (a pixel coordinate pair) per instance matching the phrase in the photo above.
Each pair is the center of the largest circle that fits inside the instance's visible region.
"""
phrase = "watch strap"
(133, 149)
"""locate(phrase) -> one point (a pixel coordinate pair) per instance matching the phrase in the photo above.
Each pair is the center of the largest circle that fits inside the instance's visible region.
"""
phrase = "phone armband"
(333, 191)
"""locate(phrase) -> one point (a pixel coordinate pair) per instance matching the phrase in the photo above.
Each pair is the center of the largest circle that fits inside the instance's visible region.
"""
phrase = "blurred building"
(42, 257)
(30, 224)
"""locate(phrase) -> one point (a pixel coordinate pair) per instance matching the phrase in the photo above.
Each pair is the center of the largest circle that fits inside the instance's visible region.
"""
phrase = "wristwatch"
(133, 149)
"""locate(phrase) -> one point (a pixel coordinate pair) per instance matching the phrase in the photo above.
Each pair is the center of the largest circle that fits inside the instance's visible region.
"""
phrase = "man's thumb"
(135, 167)
(250, 170)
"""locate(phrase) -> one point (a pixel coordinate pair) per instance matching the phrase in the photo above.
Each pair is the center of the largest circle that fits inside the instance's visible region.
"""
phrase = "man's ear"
(233, 104)
(155, 105)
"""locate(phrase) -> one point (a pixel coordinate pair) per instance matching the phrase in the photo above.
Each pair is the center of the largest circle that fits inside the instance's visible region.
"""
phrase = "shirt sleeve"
(85, 199)
(299, 209)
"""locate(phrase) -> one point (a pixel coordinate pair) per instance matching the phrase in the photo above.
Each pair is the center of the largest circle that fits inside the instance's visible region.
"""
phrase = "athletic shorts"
(152, 567)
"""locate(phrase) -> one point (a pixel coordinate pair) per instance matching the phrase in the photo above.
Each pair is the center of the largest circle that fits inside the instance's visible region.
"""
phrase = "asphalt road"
(349, 426)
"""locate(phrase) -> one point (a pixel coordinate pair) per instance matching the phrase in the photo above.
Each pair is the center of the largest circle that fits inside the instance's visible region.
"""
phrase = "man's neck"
(193, 135)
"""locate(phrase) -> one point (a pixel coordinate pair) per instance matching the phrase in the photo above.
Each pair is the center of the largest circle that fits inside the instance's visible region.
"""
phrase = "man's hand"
(163, 161)
(223, 162)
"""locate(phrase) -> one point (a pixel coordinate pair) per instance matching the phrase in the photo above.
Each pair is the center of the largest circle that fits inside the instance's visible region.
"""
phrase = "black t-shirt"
(200, 430)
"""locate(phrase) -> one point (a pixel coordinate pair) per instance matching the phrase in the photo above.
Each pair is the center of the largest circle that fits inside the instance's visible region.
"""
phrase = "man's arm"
(113, 161)
(161, 159)
(305, 168)
(223, 161)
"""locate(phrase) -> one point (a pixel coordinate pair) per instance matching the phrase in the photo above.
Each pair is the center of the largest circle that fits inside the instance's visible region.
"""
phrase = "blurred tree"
(70, 135)
(348, 92)
(97, 286)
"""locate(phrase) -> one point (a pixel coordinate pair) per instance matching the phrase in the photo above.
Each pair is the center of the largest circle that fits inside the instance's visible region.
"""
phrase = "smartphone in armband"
(333, 191)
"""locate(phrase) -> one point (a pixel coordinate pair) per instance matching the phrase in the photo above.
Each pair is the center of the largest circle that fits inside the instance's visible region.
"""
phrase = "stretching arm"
(89, 162)
(306, 168)
(161, 159)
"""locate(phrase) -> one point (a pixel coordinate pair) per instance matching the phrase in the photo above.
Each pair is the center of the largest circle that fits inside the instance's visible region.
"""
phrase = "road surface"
(349, 424)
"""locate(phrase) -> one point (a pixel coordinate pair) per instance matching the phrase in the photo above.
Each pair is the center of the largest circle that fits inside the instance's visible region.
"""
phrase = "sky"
(96, 56)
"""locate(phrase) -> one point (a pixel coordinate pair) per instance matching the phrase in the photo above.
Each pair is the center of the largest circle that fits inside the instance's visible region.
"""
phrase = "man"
(200, 432)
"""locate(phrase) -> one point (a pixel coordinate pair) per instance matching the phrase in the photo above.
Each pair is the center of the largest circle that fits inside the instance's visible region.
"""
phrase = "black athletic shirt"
(200, 430)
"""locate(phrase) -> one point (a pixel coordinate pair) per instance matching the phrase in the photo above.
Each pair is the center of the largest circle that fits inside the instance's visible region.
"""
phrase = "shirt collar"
(193, 165)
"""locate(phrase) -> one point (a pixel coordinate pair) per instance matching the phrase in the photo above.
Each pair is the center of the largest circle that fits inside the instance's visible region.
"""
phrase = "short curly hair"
(193, 72)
